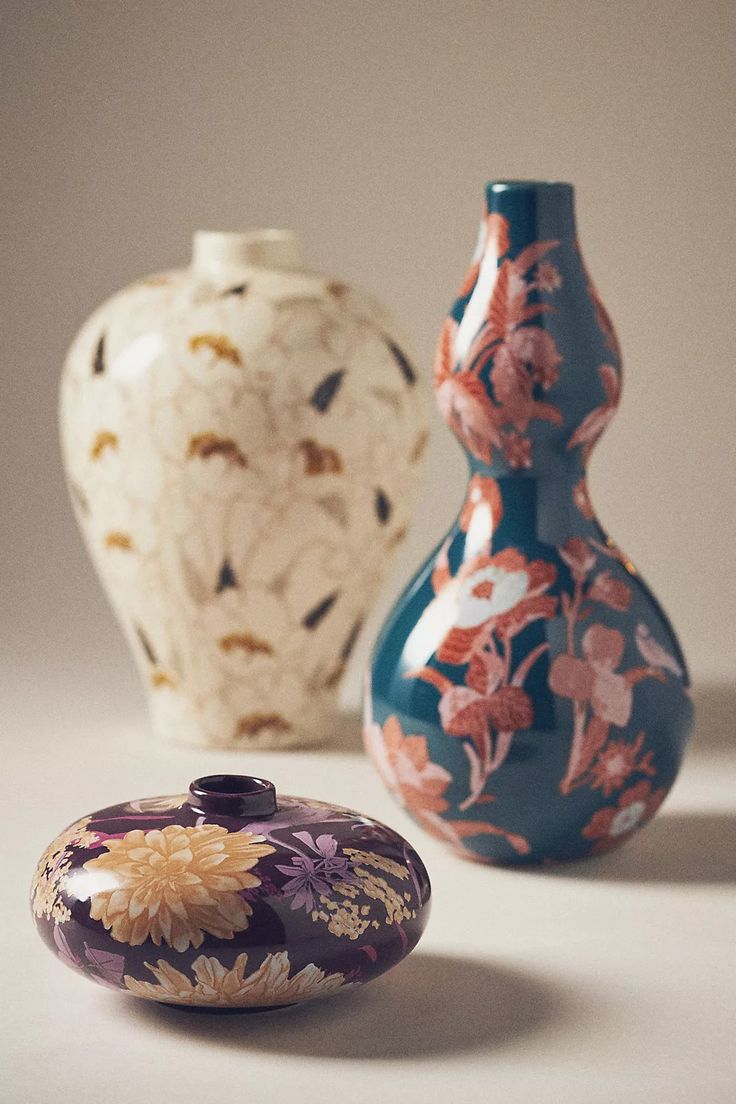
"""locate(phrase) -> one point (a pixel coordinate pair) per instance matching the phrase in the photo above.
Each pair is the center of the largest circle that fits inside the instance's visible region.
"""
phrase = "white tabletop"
(607, 981)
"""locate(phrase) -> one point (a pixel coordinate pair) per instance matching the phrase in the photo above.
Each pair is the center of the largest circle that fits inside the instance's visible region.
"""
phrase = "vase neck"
(537, 210)
(216, 252)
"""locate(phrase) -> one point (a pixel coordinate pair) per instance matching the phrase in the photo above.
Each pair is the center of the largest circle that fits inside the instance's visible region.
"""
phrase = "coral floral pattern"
(490, 398)
(527, 677)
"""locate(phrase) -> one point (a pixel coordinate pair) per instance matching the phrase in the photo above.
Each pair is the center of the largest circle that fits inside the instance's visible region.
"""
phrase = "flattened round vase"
(230, 897)
(242, 442)
(529, 700)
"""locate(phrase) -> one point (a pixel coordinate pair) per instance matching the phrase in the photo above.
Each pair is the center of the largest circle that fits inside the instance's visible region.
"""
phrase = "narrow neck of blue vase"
(536, 210)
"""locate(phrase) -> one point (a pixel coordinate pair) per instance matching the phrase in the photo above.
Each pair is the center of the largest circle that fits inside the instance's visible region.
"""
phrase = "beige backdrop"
(371, 128)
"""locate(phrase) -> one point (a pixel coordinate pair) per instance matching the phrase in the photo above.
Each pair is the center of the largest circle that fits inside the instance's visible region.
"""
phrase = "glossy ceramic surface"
(529, 700)
(242, 443)
(230, 897)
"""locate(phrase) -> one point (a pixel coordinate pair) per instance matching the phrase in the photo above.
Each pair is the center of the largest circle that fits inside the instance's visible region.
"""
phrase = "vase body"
(229, 897)
(241, 441)
(528, 700)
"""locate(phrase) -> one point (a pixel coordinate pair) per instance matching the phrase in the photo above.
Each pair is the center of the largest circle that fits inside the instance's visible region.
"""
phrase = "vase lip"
(527, 185)
(270, 247)
(239, 795)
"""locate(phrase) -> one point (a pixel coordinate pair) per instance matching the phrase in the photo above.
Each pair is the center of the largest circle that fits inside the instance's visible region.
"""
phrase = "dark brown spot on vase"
(383, 506)
(312, 619)
(324, 393)
(146, 646)
(239, 289)
(401, 359)
(226, 577)
(98, 363)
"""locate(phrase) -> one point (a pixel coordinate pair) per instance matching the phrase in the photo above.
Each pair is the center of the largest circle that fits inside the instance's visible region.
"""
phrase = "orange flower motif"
(501, 594)
(175, 884)
(616, 762)
(611, 826)
(404, 765)
(484, 495)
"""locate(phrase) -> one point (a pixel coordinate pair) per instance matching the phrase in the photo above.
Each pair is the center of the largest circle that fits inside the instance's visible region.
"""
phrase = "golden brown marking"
(219, 344)
(254, 723)
(162, 678)
(319, 459)
(104, 439)
(254, 645)
(397, 537)
(205, 445)
(419, 446)
(116, 539)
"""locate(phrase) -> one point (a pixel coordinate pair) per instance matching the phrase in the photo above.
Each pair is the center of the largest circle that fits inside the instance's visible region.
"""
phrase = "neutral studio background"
(371, 129)
(371, 126)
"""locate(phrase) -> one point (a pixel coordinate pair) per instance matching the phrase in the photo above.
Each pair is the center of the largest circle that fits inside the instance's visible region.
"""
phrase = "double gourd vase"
(242, 442)
(528, 700)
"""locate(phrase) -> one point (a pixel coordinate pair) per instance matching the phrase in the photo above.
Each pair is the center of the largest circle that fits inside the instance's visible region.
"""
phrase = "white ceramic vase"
(242, 442)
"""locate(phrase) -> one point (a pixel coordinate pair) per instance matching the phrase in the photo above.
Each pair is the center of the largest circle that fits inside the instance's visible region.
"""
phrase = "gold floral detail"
(105, 439)
(346, 913)
(205, 445)
(319, 459)
(246, 642)
(117, 539)
(175, 884)
(161, 678)
(255, 723)
(216, 985)
(52, 866)
(219, 344)
(378, 862)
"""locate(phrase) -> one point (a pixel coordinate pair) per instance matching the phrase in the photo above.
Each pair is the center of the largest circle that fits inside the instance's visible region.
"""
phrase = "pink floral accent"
(548, 277)
(581, 498)
(614, 824)
(419, 785)
(519, 356)
(602, 695)
(483, 493)
(617, 761)
(592, 426)
(494, 598)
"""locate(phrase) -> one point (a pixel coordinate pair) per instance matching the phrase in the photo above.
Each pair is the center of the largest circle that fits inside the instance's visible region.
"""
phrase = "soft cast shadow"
(684, 848)
(430, 1005)
(715, 720)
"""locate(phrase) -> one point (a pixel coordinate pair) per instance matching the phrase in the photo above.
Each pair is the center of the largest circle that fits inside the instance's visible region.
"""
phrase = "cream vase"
(242, 442)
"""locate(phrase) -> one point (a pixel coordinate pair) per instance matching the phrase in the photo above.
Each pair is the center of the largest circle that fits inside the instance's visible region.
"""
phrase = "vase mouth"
(233, 795)
(527, 185)
(216, 250)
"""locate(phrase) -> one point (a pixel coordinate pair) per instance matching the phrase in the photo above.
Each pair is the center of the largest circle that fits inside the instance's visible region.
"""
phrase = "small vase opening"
(233, 795)
(216, 250)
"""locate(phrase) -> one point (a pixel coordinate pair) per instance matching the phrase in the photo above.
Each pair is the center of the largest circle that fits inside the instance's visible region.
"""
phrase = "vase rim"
(270, 247)
(526, 185)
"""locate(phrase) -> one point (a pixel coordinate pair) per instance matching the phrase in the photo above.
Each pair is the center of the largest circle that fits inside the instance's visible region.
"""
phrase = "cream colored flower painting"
(174, 885)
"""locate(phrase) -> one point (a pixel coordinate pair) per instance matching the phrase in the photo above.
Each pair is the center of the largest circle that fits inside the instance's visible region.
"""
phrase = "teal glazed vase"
(528, 701)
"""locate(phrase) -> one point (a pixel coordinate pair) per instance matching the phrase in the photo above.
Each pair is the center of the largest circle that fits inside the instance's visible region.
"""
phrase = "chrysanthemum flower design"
(175, 884)
(216, 985)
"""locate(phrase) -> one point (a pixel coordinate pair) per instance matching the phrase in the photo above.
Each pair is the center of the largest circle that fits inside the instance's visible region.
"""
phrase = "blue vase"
(528, 699)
